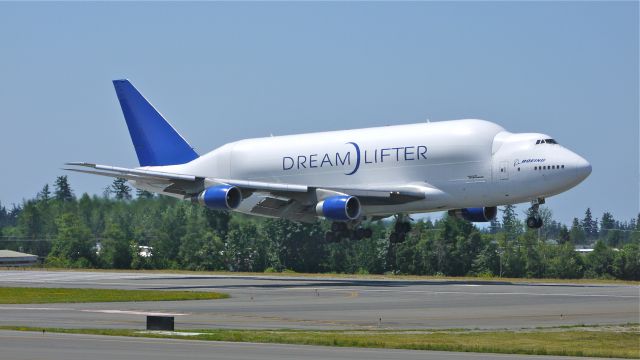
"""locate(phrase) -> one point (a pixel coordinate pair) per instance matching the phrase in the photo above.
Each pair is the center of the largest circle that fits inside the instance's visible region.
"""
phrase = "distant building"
(145, 251)
(14, 258)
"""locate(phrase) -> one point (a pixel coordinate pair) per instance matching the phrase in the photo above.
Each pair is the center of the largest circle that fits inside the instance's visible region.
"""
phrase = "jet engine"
(481, 214)
(220, 197)
(339, 208)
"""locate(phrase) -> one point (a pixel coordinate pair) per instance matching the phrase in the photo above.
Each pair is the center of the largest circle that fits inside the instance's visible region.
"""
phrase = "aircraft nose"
(582, 167)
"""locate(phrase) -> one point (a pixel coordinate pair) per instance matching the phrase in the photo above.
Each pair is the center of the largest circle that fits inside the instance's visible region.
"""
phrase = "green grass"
(621, 341)
(25, 295)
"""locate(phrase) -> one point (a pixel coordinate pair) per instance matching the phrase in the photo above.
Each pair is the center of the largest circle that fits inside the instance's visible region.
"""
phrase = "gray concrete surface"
(29, 345)
(324, 303)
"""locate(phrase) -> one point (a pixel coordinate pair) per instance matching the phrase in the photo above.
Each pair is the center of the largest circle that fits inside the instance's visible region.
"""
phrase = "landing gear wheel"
(397, 238)
(403, 227)
(534, 222)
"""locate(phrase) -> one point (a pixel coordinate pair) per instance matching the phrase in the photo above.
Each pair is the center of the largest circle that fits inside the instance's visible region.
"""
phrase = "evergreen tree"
(565, 263)
(564, 236)
(218, 221)
(114, 247)
(626, 264)
(534, 264)
(63, 191)
(577, 234)
(242, 248)
(120, 189)
(200, 248)
(106, 192)
(600, 261)
(3, 217)
(607, 222)
(512, 227)
(44, 194)
(488, 261)
(74, 245)
(494, 226)
(30, 221)
(589, 226)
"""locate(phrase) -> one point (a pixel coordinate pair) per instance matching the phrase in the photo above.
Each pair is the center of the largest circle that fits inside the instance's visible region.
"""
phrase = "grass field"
(25, 295)
(598, 341)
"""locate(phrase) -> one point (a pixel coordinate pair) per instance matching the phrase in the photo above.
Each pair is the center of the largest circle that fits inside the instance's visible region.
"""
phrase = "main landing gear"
(400, 229)
(534, 221)
(356, 231)
(343, 230)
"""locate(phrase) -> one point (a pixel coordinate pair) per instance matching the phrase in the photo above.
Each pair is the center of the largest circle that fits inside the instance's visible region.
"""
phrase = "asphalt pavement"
(326, 303)
(32, 345)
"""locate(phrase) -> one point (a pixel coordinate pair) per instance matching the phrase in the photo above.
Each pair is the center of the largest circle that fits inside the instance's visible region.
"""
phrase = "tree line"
(123, 230)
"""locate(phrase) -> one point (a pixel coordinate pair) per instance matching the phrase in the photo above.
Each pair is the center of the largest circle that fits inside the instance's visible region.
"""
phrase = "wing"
(290, 201)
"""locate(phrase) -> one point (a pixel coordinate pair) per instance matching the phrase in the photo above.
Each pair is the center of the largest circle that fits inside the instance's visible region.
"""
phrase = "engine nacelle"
(221, 197)
(482, 214)
(339, 208)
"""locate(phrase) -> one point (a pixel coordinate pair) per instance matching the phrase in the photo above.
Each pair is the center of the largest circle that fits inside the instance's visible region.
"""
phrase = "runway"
(326, 303)
(32, 345)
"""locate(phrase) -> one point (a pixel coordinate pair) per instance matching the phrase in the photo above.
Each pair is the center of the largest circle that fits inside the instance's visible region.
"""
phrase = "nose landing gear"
(534, 221)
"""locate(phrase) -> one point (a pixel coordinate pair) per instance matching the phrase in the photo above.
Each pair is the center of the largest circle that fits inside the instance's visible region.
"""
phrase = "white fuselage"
(466, 163)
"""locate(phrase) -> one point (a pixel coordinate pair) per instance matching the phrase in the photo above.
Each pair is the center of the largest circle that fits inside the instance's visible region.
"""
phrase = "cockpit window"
(546, 141)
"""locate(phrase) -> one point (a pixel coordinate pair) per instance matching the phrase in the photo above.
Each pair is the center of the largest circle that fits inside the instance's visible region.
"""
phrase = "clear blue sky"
(225, 71)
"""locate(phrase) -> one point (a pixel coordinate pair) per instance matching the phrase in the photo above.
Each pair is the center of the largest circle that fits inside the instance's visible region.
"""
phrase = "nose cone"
(582, 167)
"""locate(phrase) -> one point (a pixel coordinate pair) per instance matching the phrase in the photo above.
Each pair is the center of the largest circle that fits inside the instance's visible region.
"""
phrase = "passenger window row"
(548, 167)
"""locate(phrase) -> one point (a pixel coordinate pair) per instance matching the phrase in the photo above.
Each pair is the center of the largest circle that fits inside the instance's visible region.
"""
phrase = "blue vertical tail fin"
(156, 142)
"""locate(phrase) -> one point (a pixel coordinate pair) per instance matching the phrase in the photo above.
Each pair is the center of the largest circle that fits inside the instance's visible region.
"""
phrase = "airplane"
(467, 167)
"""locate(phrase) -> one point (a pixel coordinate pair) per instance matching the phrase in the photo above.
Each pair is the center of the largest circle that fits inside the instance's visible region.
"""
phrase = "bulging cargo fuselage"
(467, 163)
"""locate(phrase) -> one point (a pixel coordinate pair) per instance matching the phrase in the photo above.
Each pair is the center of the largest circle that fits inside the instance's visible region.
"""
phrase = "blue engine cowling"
(482, 214)
(339, 208)
(221, 197)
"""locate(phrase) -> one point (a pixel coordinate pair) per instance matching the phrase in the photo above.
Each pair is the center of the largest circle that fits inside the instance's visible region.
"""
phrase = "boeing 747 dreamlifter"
(350, 177)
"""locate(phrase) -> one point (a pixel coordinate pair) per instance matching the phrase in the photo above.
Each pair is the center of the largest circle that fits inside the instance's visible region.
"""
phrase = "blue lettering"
(346, 160)
(326, 159)
(397, 153)
(423, 152)
(408, 151)
(301, 163)
(403, 153)
(312, 160)
(284, 163)
(382, 154)
(365, 158)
